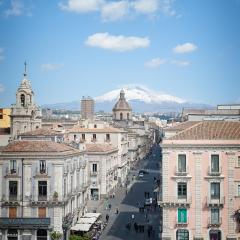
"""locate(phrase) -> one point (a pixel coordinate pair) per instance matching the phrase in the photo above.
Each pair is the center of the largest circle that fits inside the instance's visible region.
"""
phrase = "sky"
(73, 48)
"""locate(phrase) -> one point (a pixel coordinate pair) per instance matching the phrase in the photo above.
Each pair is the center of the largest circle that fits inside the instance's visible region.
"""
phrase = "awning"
(81, 227)
(89, 215)
(89, 220)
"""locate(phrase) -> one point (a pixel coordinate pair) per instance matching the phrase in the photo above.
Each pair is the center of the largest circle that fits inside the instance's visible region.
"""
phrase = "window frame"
(181, 190)
(94, 167)
(42, 194)
(213, 170)
(218, 190)
(182, 215)
(179, 168)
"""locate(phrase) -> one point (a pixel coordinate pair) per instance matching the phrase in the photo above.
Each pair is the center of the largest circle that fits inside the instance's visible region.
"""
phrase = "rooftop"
(42, 132)
(210, 130)
(96, 147)
(181, 126)
(38, 146)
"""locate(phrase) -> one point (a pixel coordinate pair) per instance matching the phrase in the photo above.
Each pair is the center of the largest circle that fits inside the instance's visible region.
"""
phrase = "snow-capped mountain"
(140, 98)
(139, 93)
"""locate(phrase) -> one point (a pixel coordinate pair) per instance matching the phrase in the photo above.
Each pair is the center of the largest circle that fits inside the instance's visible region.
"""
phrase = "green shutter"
(182, 215)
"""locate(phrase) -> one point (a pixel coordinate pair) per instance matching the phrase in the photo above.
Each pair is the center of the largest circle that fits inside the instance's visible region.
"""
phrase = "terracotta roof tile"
(96, 147)
(37, 146)
(182, 126)
(42, 132)
(210, 130)
(79, 129)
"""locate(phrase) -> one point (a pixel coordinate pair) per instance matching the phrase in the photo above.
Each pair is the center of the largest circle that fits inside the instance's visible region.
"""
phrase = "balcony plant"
(55, 196)
(56, 235)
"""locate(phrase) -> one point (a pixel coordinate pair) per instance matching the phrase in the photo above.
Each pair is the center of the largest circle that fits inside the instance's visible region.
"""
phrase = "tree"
(76, 237)
(56, 235)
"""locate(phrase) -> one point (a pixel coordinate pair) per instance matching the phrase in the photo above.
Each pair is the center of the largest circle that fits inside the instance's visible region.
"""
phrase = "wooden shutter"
(41, 212)
(12, 212)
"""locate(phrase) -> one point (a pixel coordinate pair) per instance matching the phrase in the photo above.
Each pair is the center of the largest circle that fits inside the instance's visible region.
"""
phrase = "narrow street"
(127, 204)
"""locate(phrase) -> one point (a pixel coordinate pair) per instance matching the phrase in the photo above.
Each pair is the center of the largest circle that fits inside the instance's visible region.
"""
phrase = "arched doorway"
(41, 234)
(215, 235)
(182, 234)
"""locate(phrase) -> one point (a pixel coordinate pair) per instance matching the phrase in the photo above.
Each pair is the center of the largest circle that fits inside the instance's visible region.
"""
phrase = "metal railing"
(212, 201)
(214, 172)
(181, 172)
(214, 222)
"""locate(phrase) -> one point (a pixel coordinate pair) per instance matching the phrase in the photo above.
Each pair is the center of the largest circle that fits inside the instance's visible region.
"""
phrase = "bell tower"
(25, 114)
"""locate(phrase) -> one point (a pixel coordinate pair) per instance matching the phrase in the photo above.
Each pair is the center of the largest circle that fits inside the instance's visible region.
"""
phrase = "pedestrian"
(136, 227)
(146, 215)
(126, 191)
(149, 233)
(113, 195)
(145, 194)
(133, 217)
(109, 206)
(107, 218)
(116, 210)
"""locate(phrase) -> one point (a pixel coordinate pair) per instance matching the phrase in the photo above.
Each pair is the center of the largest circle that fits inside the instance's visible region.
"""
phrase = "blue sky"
(189, 49)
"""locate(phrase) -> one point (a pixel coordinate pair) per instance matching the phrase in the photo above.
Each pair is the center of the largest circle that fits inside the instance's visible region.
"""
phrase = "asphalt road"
(128, 204)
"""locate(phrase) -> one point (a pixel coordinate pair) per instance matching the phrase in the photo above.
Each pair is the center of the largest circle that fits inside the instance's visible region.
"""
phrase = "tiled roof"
(38, 146)
(96, 147)
(42, 132)
(210, 130)
(78, 129)
(181, 126)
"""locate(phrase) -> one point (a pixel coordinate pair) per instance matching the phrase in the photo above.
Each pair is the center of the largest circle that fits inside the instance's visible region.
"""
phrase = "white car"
(140, 175)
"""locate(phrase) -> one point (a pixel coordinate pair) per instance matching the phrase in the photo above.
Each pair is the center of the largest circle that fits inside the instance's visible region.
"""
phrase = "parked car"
(141, 175)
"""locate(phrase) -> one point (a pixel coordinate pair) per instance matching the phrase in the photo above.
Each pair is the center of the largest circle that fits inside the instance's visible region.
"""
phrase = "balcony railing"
(174, 201)
(214, 172)
(93, 140)
(93, 173)
(214, 222)
(181, 172)
(180, 223)
(41, 171)
(14, 198)
(42, 197)
(215, 202)
(12, 171)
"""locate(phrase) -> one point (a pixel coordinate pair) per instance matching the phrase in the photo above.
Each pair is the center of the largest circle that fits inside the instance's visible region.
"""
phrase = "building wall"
(5, 117)
(198, 189)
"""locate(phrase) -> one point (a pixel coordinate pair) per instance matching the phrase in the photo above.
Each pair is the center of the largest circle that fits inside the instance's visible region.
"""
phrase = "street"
(128, 204)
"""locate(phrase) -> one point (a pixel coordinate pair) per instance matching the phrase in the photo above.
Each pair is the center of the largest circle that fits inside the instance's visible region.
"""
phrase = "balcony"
(107, 140)
(173, 201)
(42, 197)
(93, 140)
(41, 171)
(214, 172)
(93, 173)
(13, 198)
(181, 172)
(181, 223)
(214, 223)
(35, 223)
(11, 172)
(215, 202)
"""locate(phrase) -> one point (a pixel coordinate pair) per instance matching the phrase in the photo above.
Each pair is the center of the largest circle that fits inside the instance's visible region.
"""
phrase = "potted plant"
(55, 196)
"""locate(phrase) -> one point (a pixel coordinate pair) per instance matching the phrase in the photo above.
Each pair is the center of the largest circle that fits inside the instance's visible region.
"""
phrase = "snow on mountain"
(139, 93)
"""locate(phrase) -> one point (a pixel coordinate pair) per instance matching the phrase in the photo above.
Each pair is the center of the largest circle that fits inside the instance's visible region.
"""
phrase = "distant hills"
(140, 98)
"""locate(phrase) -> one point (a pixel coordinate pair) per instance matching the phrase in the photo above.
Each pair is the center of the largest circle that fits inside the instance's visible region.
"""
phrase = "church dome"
(122, 103)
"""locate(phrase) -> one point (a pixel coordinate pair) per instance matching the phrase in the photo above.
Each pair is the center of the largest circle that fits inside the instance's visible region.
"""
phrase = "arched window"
(121, 116)
(182, 234)
(22, 100)
(127, 116)
(41, 234)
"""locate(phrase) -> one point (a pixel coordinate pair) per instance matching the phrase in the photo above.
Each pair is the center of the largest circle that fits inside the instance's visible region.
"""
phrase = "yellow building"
(5, 117)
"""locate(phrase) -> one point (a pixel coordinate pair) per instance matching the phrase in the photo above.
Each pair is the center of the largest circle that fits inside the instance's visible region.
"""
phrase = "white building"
(43, 185)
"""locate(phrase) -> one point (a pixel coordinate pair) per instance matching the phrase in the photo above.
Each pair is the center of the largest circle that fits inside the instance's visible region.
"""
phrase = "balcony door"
(182, 234)
(215, 235)
(41, 234)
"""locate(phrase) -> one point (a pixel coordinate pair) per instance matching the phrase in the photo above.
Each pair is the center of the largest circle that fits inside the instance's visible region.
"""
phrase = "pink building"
(201, 182)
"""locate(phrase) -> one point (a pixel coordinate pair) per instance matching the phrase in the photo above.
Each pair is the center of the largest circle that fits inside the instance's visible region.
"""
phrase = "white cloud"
(146, 6)
(181, 63)
(16, 8)
(118, 43)
(2, 88)
(114, 10)
(82, 6)
(185, 48)
(155, 62)
(50, 66)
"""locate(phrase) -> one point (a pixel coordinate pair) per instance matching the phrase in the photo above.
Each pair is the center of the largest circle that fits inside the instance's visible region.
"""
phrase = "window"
(182, 163)
(13, 166)
(182, 190)
(1, 113)
(182, 234)
(127, 116)
(121, 116)
(13, 190)
(238, 190)
(42, 234)
(42, 213)
(12, 212)
(182, 215)
(215, 190)
(238, 163)
(108, 137)
(42, 190)
(94, 167)
(83, 136)
(214, 215)
(95, 125)
(94, 136)
(22, 100)
(215, 163)
(74, 137)
(64, 187)
(42, 166)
